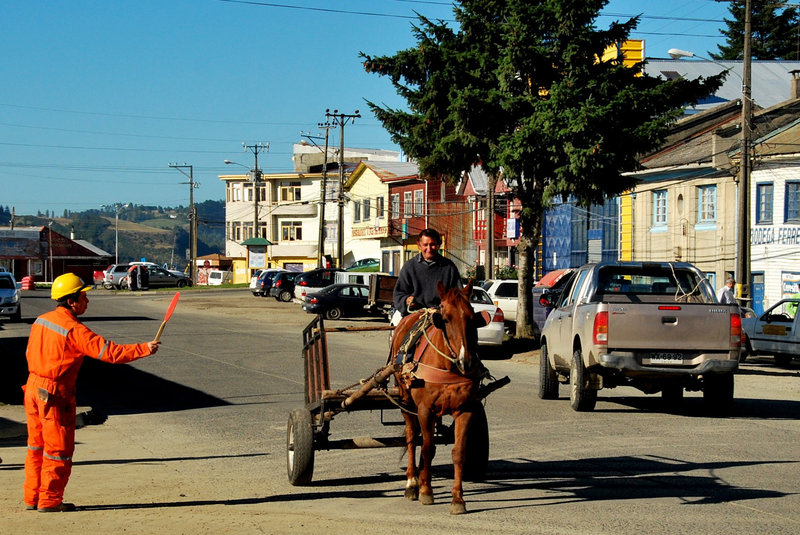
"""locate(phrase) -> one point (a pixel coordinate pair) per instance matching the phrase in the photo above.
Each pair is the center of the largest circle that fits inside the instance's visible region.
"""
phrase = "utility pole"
(255, 174)
(323, 191)
(743, 204)
(192, 218)
(341, 119)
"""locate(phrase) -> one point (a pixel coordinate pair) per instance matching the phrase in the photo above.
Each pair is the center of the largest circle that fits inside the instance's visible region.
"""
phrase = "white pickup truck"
(656, 326)
(776, 332)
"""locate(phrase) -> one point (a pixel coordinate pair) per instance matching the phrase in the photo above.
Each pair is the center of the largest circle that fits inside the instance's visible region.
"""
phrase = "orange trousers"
(51, 443)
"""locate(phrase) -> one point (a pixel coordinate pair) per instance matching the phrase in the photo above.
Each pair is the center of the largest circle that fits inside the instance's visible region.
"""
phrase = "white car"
(774, 333)
(254, 282)
(9, 297)
(504, 293)
(489, 335)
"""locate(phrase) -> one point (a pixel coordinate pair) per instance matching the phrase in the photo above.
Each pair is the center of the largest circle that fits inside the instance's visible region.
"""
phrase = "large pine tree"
(775, 31)
(517, 86)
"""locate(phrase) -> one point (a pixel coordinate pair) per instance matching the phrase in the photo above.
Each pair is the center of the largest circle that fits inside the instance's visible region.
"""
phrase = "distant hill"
(156, 233)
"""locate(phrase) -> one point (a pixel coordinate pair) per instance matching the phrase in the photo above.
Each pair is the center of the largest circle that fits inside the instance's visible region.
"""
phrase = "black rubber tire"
(783, 360)
(17, 317)
(718, 393)
(548, 380)
(181, 283)
(476, 462)
(334, 313)
(672, 393)
(108, 286)
(745, 352)
(581, 398)
(300, 447)
(285, 296)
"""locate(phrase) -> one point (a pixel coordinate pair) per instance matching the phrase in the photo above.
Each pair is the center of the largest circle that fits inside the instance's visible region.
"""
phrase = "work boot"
(63, 507)
(30, 507)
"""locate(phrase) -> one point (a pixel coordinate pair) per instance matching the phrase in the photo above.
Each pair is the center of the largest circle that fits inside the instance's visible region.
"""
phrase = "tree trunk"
(526, 249)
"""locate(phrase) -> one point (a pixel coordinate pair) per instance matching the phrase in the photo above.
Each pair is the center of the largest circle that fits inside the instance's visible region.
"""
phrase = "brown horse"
(442, 379)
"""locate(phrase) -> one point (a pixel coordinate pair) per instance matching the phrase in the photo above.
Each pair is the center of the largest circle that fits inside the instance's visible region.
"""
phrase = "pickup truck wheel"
(672, 394)
(581, 398)
(548, 381)
(745, 352)
(783, 360)
(718, 393)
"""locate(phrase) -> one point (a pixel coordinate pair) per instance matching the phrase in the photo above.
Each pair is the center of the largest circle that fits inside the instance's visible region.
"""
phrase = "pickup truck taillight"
(600, 330)
(499, 316)
(736, 330)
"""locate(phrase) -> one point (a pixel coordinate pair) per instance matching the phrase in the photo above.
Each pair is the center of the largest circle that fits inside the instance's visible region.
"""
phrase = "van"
(316, 278)
(218, 278)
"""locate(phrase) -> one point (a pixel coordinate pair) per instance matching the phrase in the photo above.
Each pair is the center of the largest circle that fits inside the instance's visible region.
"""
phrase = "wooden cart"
(308, 428)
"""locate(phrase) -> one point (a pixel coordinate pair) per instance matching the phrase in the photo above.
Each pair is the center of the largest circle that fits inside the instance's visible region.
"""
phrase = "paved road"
(193, 441)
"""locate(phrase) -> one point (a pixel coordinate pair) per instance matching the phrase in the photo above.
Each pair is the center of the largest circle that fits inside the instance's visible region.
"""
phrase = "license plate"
(664, 358)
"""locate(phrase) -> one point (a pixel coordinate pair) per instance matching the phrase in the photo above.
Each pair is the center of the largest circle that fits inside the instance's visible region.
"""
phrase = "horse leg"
(412, 481)
(427, 451)
(462, 421)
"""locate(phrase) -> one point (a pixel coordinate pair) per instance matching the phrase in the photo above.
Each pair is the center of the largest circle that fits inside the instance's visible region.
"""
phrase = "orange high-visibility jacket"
(58, 343)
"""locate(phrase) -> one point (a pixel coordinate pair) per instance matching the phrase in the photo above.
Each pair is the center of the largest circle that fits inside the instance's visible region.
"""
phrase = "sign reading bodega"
(777, 235)
(363, 232)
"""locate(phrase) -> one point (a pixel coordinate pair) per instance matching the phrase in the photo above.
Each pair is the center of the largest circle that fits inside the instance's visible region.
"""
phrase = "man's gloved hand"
(410, 303)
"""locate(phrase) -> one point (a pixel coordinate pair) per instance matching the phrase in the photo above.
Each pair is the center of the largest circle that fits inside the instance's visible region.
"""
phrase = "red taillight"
(278, 284)
(303, 283)
(600, 330)
(736, 330)
(313, 300)
(669, 307)
(499, 316)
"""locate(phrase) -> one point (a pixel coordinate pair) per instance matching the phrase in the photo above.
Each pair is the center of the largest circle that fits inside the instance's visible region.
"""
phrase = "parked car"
(9, 297)
(161, 278)
(264, 281)
(114, 275)
(217, 277)
(365, 264)
(254, 281)
(338, 300)
(553, 282)
(310, 281)
(773, 333)
(283, 286)
(505, 294)
(491, 334)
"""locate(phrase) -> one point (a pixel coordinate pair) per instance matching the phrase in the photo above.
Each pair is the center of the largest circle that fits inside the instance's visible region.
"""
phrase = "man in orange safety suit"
(57, 346)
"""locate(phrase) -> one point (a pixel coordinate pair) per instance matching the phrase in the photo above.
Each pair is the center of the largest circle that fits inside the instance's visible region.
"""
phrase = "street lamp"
(255, 174)
(743, 200)
(117, 208)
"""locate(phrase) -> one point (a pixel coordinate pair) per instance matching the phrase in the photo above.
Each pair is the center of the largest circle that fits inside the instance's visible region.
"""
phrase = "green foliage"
(506, 272)
(518, 87)
(774, 31)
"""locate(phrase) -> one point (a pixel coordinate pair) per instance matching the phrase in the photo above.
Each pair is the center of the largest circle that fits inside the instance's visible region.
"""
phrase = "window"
(379, 207)
(331, 231)
(366, 216)
(764, 193)
(408, 205)
(237, 232)
(394, 201)
(236, 191)
(419, 208)
(792, 201)
(706, 204)
(291, 230)
(290, 191)
(356, 211)
(660, 208)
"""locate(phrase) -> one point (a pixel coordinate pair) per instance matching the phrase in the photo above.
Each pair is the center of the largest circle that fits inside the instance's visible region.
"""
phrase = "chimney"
(795, 91)
(72, 233)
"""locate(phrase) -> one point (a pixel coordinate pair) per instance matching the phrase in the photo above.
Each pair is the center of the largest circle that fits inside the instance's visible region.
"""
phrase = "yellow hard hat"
(67, 284)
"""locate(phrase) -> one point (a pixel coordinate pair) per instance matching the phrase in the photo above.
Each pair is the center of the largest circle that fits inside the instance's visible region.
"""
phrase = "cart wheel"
(476, 461)
(300, 447)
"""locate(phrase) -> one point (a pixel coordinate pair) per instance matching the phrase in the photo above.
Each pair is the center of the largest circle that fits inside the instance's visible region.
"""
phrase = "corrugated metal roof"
(770, 80)
(390, 170)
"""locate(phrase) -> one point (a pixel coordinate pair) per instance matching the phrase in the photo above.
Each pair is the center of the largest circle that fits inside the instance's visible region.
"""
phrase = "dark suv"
(309, 281)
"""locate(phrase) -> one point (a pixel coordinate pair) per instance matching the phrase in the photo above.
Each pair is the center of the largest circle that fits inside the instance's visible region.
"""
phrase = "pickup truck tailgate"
(691, 326)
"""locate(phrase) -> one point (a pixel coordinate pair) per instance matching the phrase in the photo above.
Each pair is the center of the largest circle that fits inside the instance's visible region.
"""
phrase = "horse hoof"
(412, 494)
(426, 499)
(458, 508)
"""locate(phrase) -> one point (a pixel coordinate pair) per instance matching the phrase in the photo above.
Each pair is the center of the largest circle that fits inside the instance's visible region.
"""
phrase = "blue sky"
(98, 97)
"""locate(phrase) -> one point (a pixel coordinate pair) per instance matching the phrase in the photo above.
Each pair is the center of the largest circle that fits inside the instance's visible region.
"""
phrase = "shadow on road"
(569, 481)
(107, 388)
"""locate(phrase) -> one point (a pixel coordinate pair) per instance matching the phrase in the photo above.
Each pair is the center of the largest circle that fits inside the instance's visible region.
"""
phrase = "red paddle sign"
(168, 314)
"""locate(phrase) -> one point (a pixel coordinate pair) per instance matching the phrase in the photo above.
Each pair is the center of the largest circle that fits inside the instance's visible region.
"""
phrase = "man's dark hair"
(432, 233)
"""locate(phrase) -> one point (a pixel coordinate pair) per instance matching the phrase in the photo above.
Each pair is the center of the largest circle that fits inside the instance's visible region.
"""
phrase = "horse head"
(459, 323)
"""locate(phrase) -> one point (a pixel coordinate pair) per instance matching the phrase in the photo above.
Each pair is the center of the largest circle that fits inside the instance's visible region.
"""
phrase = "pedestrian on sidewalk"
(57, 346)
